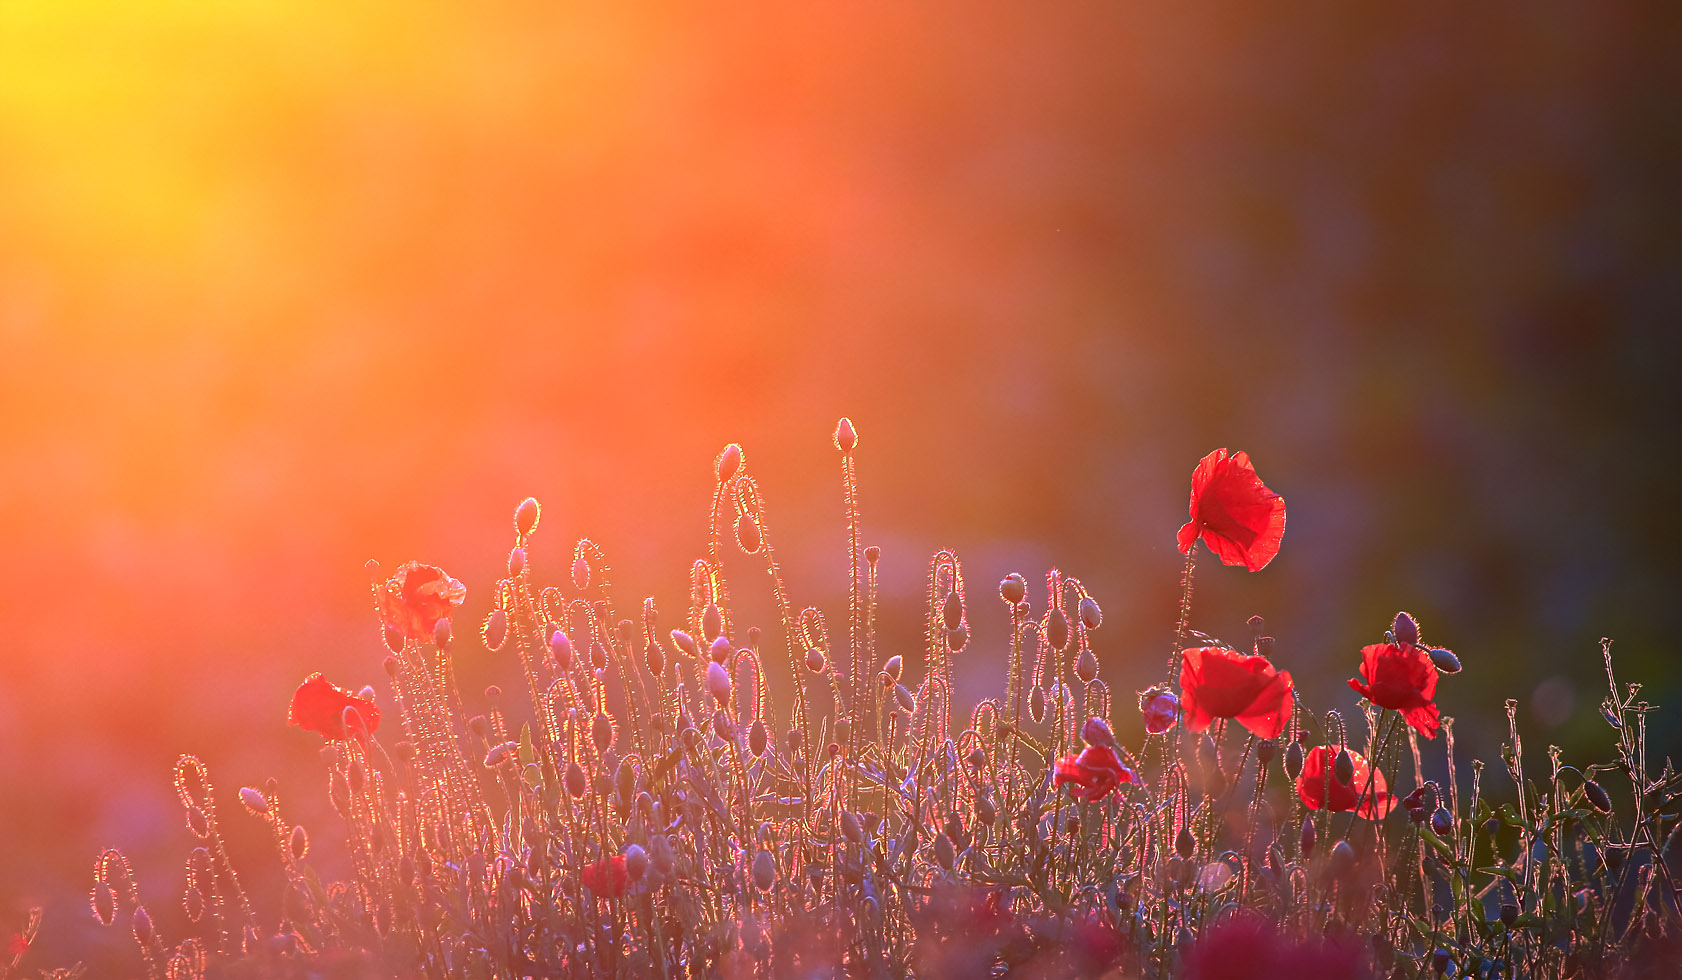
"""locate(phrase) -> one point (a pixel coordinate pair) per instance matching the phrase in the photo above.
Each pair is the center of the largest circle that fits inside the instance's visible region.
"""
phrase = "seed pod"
(142, 926)
(1293, 760)
(729, 461)
(1305, 843)
(764, 871)
(1445, 660)
(952, 610)
(526, 516)
(712, 623)
(1185, 843)
(944, 855)
(1266, 751)
(846, 437)
(903, 696)
(1090, 615)
(686, 643)
(561, 647)
(580, 573)
(1405, 629)
(1057, 630)
(300, 845)
(495, 629)
(253, 800)
(1597, 795)
(1086, 665)
(601, 731)
(815, 660)
(758, 738)
(1343, 767)
(894, 667)
(747, 535)
(1012, 588)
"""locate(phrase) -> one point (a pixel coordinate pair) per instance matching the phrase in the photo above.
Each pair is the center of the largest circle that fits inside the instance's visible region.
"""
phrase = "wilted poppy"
(1216, 682)
(319, 706)
(1401, 676)
(1319, 787)
(1239, 518)
(606, 878)
(1093, 773)
(416, 597)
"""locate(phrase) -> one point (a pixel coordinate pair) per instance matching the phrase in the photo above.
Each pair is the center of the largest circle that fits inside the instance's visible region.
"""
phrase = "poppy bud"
(1161, 709)
(496, 629)
(978, 757)
(944, 855)
(1266, 750)
(814, 660)
(722, 726)
(601, 731)
(1057, 630)
(719, 651)
(478, 725)
(1097, 731)
(903, 696)
(1090, 615)
(516, 562)
(1442, 823)
(1405, 629)
(598, 655)
(718, 682)
(795, 739)
(1305, 843)
(1343, 767)
(580, 573)
(729, 461)
(300, 844)
(253, 800)
(654, 658)
(526, 516)
(197, 822)
(758, 738)
(1597, 795)
(104, 903)
(846, 438)
(624, 779)
(1012, 588)
(1086, 665)
(764, 871)
(1185, 843)
(1445, 660)
(894, 667)
(561, 647)
(747, 535)
(850, 827)
(1036, 705)
(1509, 915)
(712, 622)
(955, 639)
(872, 554)
(393, 665)
(952, 610)
(844, 730)
(193, 902)
(1342, 857)
(393, 640)
(142, 926)
(576, 782)
(686, 643)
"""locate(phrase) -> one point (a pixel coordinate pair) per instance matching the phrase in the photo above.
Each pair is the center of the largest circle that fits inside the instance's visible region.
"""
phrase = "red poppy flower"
(1401, 676)
(1239, 518)
(606, 878)
(1093, 773)
(416, 597)
(1219, 683)
(1318, 786)
(320, 707)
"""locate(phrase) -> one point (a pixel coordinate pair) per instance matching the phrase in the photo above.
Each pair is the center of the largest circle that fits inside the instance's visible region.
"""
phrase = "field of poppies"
(645, 807)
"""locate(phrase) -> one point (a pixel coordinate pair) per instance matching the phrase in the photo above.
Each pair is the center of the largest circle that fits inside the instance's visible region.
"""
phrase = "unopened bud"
(846, 438)
(254, 800)
(894, 667)
(142, 925)
(496, 629)
(952, 610)
(1097, 731)
(764, 871)
(1185, 843)
(815, 660)
(1057, 630)
(1012, 588)
(1343, 767)
(441, 634)
(729, 461)
(758, 738)
(686, 643)
(718, 682)
(516, 562)
(1293, 760)
(712, 622)
(1086, 665)
(1405, 628)
(903, 696)
(580, 573)
(1597, 795)
(719, 652)
(748, 537)
(1305, 842)
(944, 855)
(526, 516)
(1445, 660)
(576, 782)
(1090, 615)
(561, 647)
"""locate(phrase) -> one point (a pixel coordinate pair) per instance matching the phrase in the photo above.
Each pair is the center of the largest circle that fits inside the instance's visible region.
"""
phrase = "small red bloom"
(606, 878)
(1401, 676)
(1318, 786)
(416, 597)
(319, 706)
(17, 945)
(1093, 773)
(1220, 683)
(1239, 518)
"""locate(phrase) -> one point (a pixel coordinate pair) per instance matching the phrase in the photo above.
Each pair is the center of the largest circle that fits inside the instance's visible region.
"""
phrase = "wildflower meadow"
(643, 806)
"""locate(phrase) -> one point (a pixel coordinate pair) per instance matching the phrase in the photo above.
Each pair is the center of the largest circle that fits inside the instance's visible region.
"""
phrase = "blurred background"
(286, 286)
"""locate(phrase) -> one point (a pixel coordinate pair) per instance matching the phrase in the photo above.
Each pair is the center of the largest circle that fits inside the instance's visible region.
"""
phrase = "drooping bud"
(894, 668)
(1036, 704)
(1442, 823)
(729, 461)
(815, 660)
(952, 610)
(1185, 843)
(1405, 628)
(846, 437)
(1012, 588)
(1343, 767)
(442, 634)
(576, 782)
(944, 855)
(903, 695)
(300, 844)
(1086, 665)
(654, 658)
(1509, 914)
(722, 726)
(254, 800)
(1305, 842)
(718, 682)
(1097, 731)
(683, 641)
(526, 517)
(496, 629)
(516, 562)
(1090, 615)
(1598, 797)
(142, 926)
(748, 537)
(580, 573)
(636, 862)
(764, 871)
(712, 622)
(1445, 660)
(1293, 760)
(955, 639)
(1057, 630)
(598, 655)
(759, 739)
(393, 640)
(719, 651)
